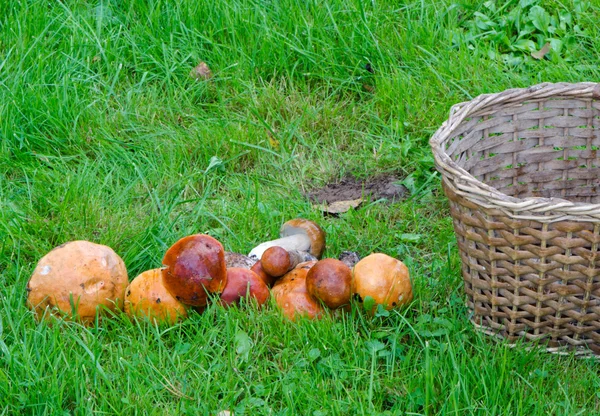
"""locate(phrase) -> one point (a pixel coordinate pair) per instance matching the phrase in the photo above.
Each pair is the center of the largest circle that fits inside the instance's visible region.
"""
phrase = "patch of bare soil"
(348, 189)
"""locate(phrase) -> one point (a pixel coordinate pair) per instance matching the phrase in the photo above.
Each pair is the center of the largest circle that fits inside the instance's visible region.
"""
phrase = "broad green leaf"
(483, 22)
(368, 303)
(524, 45)
(215, 163)
(526, 3)
(374, 346)
(314, 354)
(243, 344)
(539, 18)
(581, 6)
(381, 311)
(556, 45)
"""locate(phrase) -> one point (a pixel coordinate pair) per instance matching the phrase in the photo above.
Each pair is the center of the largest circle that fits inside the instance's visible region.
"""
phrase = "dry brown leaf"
(339, 207)
(201, 72)
(542, 52)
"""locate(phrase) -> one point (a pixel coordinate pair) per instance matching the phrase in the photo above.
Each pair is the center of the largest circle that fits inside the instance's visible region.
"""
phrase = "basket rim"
(534, 208)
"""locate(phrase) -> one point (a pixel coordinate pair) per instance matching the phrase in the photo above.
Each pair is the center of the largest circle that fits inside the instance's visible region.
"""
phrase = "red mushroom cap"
(242, 283)
(194, 267)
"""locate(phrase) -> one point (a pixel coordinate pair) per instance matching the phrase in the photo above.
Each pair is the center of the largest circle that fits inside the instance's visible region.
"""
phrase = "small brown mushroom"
(383, 278)
(292, 297)
(277, 261)
(147, 297)
(243, 283)
(77, 280)
(194, 267)
(298, 234)
(330, 281)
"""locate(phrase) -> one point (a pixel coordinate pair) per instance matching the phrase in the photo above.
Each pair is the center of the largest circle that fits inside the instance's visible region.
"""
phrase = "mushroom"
(77, 280)
(258, 269)
(147, 297)
(277, 261)
(238, 260)
(349, 258)
(298, 234)
(306, 265)
(330, 281)
(292, 297)
(243, 283)
(194, 267)
(383, 278)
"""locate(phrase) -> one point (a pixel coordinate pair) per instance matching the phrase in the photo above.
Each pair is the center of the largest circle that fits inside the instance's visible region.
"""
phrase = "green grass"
(105, 137)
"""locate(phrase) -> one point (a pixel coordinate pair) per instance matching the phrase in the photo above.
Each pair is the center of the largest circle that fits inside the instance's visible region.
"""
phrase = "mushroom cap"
(306, 265)
(330, 281)
(238, 260)
(384, 278)
(292, 297)
(276, 261)
(147, 297)
(77, 275)
(310, 229)
(242, 283)
(194, 267)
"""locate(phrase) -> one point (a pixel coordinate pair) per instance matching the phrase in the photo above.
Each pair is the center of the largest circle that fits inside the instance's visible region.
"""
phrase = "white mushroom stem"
(298, 242)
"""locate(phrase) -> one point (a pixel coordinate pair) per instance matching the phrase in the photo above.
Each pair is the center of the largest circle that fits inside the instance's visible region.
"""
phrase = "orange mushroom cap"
(292, 297)
(383, 278)
(147, 297)
(76, 280)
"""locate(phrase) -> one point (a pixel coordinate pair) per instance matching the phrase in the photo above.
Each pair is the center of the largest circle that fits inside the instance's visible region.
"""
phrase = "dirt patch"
(350, 188)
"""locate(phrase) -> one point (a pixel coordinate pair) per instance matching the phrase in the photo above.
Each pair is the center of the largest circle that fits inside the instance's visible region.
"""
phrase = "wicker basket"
(521, 170)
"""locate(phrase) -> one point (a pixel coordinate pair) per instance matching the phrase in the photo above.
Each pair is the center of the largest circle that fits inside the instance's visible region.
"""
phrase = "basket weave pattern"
(521, 170)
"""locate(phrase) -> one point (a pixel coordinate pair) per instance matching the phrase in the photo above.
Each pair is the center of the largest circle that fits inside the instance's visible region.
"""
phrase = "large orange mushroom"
(292, 297)
(147, 297)
(383, 278)
(76, 280)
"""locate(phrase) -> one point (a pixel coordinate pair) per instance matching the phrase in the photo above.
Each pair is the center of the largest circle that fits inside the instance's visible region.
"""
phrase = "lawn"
(106, 137)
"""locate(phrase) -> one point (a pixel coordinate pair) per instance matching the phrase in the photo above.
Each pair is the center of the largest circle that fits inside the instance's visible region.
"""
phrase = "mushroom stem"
(298, 242)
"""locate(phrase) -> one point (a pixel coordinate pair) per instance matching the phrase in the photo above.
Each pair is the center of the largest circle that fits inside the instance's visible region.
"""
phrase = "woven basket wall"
(521, 170)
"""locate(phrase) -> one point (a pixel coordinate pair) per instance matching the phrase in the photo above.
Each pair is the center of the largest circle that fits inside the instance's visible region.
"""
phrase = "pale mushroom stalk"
(296, 235)
(297, 242)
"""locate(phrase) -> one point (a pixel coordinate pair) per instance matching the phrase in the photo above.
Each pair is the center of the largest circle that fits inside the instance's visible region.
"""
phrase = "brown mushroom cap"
(276, 261)
(292, 297)
(242, 283)
(312, 231)
(194, 267)
(384, 278)
(86, 275)
(330, 281)
(147, 297)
